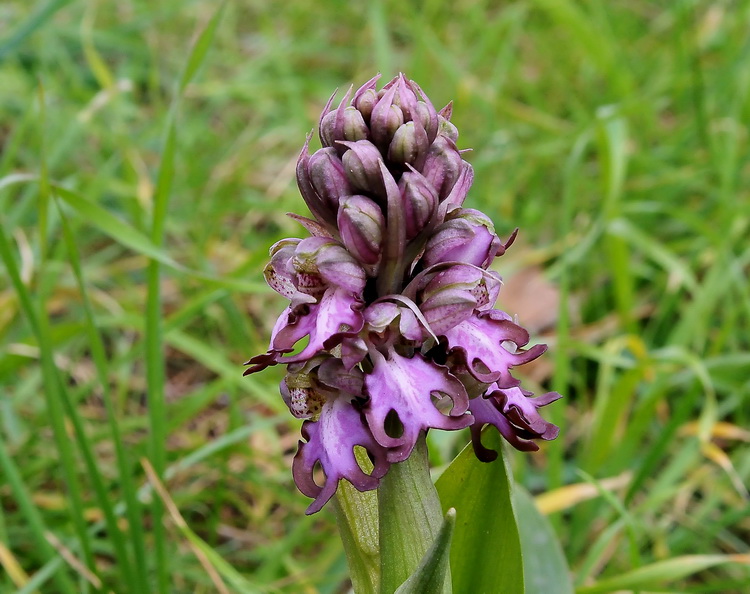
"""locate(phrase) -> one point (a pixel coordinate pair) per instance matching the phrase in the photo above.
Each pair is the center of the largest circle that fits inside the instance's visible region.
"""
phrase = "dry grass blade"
(73, 561)
(570, 495)
(179, 521)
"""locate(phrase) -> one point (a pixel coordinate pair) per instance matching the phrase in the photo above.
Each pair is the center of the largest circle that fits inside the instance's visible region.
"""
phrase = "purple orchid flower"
(393, 294)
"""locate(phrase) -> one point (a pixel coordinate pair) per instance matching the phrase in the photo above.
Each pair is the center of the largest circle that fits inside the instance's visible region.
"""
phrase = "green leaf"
(432, 572)
(663, 573)
(486, 549)
(545, 568)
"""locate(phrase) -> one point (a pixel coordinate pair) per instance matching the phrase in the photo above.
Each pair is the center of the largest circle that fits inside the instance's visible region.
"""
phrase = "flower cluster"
(390, 330)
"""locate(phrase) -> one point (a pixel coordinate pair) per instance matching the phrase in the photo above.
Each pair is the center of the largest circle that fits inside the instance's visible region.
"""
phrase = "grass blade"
(133, 507)
(155, 364)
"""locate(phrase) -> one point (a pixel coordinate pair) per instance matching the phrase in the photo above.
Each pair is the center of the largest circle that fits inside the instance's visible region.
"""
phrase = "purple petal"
(331, 441)
(324, 320)
(515, 416)
(521, 410)
(481, 342)
(337, 313)
(270, 358)
(406, 386)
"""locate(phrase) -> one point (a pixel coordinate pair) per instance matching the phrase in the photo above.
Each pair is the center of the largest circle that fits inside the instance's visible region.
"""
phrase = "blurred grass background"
(142, 182)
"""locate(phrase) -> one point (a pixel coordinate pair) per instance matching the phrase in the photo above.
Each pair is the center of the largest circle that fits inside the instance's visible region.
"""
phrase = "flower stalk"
(410, 518)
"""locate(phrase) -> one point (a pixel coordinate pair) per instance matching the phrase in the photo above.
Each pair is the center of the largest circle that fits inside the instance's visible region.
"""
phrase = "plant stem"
(410, 518)
(357, 519)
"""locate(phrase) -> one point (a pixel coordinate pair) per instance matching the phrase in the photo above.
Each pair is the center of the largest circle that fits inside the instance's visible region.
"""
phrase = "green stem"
(410, 518)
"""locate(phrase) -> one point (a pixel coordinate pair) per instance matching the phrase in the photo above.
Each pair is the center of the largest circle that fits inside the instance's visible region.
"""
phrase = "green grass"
(146, 162)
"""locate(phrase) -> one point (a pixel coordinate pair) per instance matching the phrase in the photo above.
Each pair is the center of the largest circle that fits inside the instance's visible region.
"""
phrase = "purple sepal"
(515, 416)
(467, 236)
(315, 228)
(458, 192)
(330, 440)
(481, 343)
(406, 386)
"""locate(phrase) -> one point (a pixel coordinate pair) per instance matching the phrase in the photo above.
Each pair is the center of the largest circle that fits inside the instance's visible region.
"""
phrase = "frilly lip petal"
(331, 441)
(515, 416)
(486, 411)
(406, 386)
(521, 410)
(271, 358)
(481, 341)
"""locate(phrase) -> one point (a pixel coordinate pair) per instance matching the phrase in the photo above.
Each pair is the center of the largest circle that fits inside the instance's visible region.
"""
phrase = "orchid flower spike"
(394, 296)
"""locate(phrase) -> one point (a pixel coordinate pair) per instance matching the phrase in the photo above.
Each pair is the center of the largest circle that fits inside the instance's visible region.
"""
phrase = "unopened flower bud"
(354, 125)
(409, 142)
(442, 165)
(420, 202)
(428, 118)
(327, 175)
(385, 119)
(469, 236)
(361, 223)
(366, 102)
(361, 165)
(320, 262)
(447, 129)
(326, 129)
